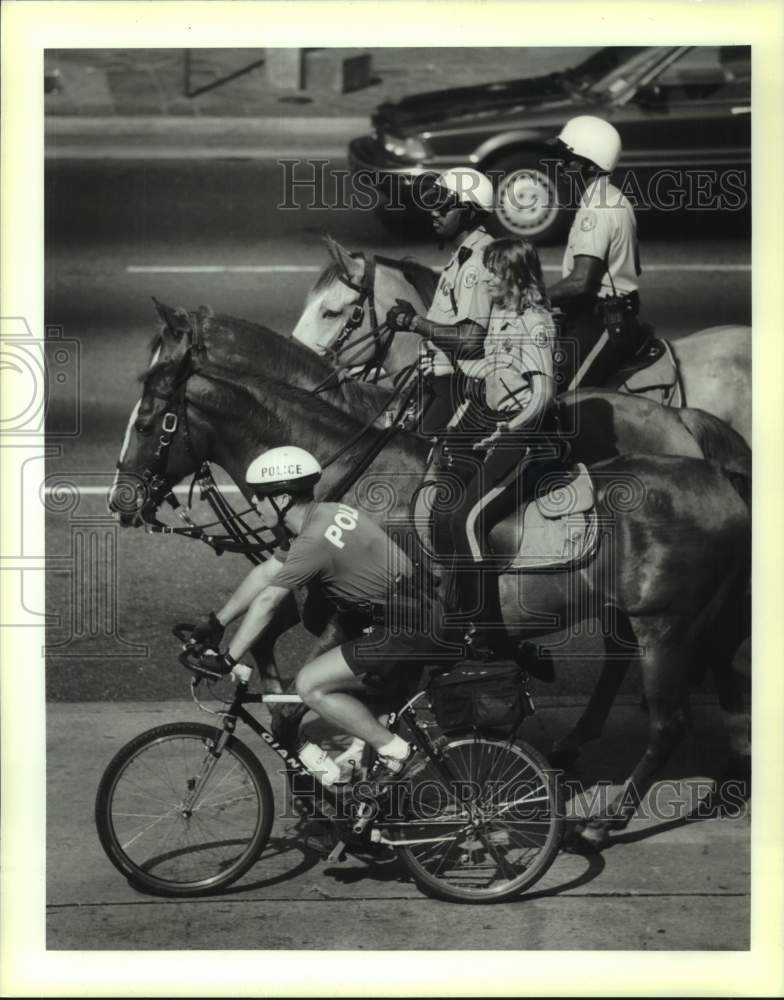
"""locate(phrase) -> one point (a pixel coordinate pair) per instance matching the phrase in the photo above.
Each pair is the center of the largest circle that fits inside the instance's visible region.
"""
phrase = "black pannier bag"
(480, 695)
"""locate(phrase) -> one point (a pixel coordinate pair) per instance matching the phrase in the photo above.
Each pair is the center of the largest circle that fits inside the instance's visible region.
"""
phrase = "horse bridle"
(240, 537)
(379, 333)
(175, 417)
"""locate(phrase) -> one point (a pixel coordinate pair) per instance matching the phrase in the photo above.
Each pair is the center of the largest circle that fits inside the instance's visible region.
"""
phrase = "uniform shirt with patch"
(516, 347)
(346, 552)
(462, 292)
(604, 227)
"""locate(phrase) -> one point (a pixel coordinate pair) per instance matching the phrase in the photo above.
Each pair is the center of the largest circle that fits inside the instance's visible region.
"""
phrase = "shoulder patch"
(471, 277)
(540, 335)
(588, 221)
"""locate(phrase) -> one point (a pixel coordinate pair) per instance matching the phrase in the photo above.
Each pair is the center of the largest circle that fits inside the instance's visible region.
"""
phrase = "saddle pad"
(558, 529)
(658, 382)
(555, 543)
(573, 497)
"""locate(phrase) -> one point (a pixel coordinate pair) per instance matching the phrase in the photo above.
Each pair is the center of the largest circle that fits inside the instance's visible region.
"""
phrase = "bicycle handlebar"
(183, 631)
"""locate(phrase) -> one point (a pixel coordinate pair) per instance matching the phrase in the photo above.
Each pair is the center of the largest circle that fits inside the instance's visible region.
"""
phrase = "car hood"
(430, 111)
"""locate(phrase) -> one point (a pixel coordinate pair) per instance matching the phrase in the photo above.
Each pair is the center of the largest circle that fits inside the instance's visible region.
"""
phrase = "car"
(683, 112)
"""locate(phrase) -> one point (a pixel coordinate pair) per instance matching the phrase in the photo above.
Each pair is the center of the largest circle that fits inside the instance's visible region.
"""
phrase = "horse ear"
(352, 268)
(175, 321)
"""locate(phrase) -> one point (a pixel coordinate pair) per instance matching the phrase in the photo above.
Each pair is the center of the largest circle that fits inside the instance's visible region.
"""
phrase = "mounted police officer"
(598, 293)
(461, 206)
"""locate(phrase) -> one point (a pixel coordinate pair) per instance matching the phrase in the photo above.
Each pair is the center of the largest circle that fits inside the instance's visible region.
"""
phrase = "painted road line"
(312, 268)
(221, 268)
(145, 153)
(104, 490)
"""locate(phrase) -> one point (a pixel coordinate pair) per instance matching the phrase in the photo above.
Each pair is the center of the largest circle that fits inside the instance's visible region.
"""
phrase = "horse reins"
(380, 333)
(238, 531)
(240, 537)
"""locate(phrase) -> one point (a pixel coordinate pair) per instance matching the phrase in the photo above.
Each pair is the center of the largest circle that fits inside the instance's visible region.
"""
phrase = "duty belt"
(629, 303)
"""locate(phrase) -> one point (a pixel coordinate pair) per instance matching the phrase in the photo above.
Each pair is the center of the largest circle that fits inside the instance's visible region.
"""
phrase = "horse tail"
(719, 443)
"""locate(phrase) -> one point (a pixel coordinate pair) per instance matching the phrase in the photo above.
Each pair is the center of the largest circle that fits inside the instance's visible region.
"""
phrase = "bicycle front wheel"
(176, 818)
(489, 832)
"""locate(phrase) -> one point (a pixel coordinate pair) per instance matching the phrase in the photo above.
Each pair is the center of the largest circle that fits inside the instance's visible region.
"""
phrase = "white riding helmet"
(470, 187)
(283, 470)
(593, 139)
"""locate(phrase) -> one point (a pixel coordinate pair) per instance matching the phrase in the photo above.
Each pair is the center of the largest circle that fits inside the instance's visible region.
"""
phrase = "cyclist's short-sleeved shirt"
(345, 551)
(604, 227)
(463, 292)
(516, 348)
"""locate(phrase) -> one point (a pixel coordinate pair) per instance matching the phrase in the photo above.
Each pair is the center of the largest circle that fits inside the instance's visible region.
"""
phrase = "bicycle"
(185, 809)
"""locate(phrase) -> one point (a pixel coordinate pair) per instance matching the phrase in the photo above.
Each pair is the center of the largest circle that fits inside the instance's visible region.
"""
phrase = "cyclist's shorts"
(395, 646)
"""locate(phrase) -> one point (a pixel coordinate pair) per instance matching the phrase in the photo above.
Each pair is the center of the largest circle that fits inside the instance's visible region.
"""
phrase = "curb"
(76, 137)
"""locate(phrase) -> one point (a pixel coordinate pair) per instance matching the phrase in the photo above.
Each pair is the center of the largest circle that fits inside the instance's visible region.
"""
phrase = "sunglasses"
(446, 206)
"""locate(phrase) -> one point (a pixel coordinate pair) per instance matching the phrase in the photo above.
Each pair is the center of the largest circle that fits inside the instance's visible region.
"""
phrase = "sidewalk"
(668, 883)
(132, 103)
(145, 82)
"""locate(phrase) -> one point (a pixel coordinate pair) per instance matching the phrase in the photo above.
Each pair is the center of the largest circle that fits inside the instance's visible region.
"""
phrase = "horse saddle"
(555, 529)
(654, 375)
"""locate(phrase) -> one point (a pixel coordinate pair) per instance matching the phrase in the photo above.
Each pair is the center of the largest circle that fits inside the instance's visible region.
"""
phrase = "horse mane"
(422, 278)
(230, 389)
(255, 346)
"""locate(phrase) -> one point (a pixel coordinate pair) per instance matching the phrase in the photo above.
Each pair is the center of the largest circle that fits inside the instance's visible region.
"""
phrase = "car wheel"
(529, 202)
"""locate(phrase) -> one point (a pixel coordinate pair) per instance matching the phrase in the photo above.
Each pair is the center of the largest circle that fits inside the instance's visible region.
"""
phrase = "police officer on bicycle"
(359, 568)
(598, 292)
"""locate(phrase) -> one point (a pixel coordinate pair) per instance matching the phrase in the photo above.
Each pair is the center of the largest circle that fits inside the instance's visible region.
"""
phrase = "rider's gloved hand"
(209, 631)
(401, 315)
(216, 664)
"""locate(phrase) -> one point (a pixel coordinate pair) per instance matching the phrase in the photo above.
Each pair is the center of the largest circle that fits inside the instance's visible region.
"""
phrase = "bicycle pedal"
(337, 854)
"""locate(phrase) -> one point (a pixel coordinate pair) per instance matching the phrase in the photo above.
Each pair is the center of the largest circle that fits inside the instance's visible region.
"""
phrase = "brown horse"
(668, 567)
(714, 364)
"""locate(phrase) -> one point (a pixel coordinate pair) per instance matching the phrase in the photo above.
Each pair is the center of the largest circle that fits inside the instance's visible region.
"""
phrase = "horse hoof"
(562, 756)
(594, 837)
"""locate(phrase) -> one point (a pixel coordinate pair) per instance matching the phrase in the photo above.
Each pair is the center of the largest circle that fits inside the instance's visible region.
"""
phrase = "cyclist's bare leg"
(324, 683)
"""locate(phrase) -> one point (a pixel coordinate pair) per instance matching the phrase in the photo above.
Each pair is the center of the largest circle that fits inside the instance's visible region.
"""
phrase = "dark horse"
(667, 570)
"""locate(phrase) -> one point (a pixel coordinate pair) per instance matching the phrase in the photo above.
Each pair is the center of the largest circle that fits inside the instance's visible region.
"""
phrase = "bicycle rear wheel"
(178, 820)
(490, 833)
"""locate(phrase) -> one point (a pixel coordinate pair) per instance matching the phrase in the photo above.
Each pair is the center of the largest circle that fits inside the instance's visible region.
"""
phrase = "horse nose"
(126, 498)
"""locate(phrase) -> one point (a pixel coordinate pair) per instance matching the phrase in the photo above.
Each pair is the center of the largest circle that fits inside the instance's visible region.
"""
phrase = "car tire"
(530, 203)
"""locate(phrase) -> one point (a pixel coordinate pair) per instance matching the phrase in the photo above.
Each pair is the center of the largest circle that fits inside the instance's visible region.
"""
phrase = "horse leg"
(665, 681)
(736, 774)
(731, 690)
(717, 651)
(619, 646)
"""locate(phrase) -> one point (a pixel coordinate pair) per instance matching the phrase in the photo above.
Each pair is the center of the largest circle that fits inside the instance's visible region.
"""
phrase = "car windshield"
(612, 69)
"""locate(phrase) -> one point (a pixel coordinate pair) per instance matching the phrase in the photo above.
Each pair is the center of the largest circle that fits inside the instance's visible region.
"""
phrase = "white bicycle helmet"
(283, 470)
(593, 139)
(469, 187)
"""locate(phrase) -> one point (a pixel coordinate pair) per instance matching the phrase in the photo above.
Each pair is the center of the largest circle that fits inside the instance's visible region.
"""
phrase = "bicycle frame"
(236, 711)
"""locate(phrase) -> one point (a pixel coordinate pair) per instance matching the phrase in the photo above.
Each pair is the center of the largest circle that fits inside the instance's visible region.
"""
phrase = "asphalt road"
(114, 230)
(673, 880)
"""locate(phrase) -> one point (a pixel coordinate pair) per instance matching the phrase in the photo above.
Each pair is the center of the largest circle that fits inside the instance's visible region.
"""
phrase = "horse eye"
(331, 313)
(141, 428)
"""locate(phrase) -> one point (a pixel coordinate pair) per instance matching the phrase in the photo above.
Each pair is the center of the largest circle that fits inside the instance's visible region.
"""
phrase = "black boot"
(483, 643)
